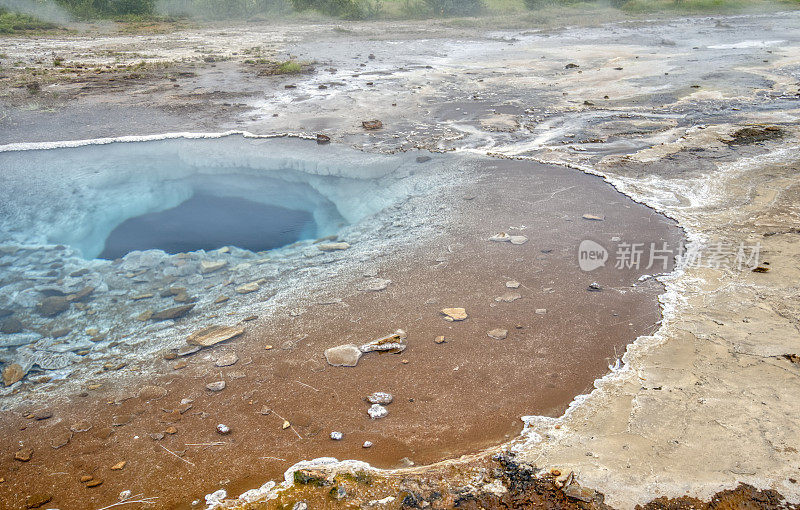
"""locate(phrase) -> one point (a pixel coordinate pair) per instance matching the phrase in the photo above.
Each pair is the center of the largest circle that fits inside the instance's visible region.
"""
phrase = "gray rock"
(216, 386)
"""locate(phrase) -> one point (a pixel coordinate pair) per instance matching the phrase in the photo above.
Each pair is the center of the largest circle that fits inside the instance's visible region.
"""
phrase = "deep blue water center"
(206, 222)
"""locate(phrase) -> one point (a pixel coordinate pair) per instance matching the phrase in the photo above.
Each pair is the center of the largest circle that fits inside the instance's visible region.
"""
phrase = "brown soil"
(450, 399)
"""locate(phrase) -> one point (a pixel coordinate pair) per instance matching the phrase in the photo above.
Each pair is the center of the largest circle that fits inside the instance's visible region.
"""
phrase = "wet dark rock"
(52, 306)
(323, 139)
(337, 493)
(755, 134)
(309, 476)
(423, 159)
(172, 313)
(82, 294)
(571, 66)
(11, 325)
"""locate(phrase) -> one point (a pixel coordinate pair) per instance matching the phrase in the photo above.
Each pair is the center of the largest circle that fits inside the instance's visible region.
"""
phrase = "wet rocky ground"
(695, 118)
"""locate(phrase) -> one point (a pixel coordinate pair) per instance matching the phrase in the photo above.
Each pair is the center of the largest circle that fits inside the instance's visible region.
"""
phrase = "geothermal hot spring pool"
(112, 255)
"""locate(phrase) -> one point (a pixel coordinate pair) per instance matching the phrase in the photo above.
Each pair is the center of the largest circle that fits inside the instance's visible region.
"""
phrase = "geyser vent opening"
(207, 222)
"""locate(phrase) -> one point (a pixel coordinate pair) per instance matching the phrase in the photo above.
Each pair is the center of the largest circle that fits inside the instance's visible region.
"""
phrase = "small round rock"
(223, 429)
(367, 444)
(337, 436)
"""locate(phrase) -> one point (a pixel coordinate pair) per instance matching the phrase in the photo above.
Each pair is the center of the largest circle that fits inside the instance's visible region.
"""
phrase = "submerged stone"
(213, 335)
(12, 373)
(172, 313)
(52, 306)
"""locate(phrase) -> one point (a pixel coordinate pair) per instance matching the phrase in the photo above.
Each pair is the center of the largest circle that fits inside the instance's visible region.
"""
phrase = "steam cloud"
(44, 10)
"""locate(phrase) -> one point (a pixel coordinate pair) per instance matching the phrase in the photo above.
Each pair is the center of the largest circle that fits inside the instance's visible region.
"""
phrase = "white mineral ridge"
(97, 185)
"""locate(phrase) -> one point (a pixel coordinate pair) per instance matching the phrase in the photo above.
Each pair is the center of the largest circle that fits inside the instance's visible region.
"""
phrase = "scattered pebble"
(508, 297)
(223, 429)
(337, 436)
(43, 414)
(439, 339)
(454, 314)
(343, 355)
(209, 266)
(367, 444)
(213, 335)
(380, 397)
(512, 284)
(375, 285)
(94, 483)
(119, 420)
(377, 411)
(247, 288)
(503, 237)
(119, 465)
(171, 430)
(24, 454)
(394, 343)
(594, 287)
(12, 373)
(541, 311)
(216, 386)
(81, 426)
(172, 313)
(149, 393)
(593, 217)
(60, 439)
(498, 334)
(371, 124)
(227, 360)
